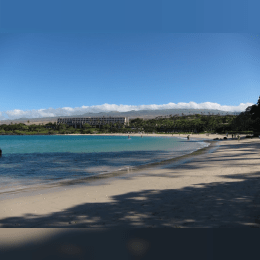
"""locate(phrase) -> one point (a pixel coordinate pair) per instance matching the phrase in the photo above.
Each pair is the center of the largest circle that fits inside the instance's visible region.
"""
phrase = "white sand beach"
(220, 188)
(197, 136)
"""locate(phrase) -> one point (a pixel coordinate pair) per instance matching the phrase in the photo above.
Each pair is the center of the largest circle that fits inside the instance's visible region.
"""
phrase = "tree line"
(247, 122)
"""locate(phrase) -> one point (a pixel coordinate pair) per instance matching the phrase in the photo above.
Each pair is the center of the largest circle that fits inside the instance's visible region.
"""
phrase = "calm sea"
(35, 160)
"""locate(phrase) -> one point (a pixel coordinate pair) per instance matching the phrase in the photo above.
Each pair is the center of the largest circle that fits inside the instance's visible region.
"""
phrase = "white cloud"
(68, 111)
(1, 116)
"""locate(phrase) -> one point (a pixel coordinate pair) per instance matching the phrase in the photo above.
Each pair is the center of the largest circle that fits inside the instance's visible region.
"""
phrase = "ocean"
(35, 160)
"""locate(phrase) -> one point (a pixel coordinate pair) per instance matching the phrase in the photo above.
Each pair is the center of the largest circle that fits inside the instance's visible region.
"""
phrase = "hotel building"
(78, 122)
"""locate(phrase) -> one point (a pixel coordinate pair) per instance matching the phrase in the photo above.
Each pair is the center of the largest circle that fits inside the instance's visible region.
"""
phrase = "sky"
(54, 74)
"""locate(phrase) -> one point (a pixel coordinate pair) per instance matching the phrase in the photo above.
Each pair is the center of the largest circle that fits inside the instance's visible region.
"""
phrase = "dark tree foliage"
(255, 116)
(255, 110)
(243, 122)
(249, 120)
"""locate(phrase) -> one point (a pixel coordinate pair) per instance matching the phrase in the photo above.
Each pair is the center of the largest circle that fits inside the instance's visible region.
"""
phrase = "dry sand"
(218, 188)
(195, 136)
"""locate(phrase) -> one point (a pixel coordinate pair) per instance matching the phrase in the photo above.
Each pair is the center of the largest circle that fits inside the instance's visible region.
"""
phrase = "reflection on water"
(20, 170)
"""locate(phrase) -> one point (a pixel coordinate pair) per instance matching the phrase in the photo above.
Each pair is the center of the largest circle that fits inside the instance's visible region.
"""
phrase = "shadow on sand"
(220, 204)
(228, 204)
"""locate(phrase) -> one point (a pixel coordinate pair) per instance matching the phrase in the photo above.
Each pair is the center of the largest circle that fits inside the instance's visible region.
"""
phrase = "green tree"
(62, 127)
(255, 116)
(50, 132)
(106, 126)
(243, 122)
(255, 110)
(86, 126)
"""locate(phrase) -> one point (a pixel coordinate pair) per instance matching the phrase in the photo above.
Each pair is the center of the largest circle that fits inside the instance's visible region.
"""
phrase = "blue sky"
(82, 70)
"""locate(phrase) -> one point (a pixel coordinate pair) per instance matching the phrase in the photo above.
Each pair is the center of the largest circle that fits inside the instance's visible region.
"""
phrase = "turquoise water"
(86, 144)
(34, 160)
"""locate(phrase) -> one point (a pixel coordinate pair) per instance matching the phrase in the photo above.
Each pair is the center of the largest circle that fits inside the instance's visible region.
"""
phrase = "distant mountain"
(162, 112)
(146, 114)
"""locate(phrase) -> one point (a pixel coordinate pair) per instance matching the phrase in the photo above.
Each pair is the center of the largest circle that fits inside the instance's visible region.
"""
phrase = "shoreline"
(200, 136)
(197, 137)
(216, 189)
(30, 190)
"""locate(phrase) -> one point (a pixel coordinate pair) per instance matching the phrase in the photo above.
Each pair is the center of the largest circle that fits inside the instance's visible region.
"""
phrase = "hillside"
(145, 114)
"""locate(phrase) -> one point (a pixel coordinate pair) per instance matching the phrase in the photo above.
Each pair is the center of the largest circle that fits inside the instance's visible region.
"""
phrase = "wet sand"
(216, 188)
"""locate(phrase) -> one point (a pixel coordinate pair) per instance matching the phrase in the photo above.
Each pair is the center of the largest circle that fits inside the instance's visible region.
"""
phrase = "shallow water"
(31, 160)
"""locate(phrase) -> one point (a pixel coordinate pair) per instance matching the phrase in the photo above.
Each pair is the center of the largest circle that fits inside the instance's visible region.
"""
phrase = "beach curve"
(217, 189)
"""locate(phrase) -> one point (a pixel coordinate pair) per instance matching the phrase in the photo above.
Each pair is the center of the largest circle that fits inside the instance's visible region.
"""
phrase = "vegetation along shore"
(247, 122)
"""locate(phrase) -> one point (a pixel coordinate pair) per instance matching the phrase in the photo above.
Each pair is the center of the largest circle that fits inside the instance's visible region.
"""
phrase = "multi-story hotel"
(78, 122)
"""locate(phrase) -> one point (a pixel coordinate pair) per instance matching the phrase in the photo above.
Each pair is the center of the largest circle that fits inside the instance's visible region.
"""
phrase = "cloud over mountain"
(68, 111)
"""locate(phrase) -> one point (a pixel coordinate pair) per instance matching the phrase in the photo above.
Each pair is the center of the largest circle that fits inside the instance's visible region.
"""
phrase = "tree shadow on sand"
(220, 204)
(228, 204)
(232, 203)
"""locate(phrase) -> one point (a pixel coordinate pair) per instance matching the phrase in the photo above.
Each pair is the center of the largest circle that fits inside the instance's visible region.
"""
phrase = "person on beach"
(232, 136)
(188, 137)
(238, 137)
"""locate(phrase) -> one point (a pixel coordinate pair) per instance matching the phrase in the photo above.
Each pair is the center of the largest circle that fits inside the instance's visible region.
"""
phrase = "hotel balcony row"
(93, 121)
